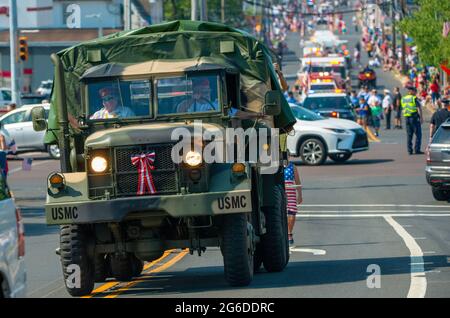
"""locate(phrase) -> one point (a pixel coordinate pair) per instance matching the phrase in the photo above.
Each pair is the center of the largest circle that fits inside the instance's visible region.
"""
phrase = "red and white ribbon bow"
(144, 164)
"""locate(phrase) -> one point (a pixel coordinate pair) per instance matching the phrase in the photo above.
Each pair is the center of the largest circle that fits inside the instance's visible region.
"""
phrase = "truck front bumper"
(116, 210)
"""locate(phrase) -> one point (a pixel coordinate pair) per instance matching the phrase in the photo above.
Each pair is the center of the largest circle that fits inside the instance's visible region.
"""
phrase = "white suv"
(12, 247)
(317, 138)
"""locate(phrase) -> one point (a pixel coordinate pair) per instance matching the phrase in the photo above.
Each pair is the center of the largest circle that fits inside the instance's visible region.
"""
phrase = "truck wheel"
(74, 240)
(122, 267)
(439, 194)
(275, 239)
(313, 152)
(238, 246)
(138, 266)
(285, 221)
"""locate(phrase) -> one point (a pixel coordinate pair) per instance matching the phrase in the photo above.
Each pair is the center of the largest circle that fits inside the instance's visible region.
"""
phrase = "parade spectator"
(439, 117)
(396, 101)
(362, 112)
(294, 196)
(376, 111)
(387, 107)
(290, 98)
(435, 89)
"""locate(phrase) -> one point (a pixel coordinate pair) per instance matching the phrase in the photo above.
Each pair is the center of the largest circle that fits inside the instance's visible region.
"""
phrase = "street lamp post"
(13, 50)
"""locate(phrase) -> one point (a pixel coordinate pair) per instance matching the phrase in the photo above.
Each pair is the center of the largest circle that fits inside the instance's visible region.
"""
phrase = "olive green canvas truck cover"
(177, 40)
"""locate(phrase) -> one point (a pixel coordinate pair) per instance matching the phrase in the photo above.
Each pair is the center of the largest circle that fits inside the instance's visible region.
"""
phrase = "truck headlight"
(193, 158)
(99, 164)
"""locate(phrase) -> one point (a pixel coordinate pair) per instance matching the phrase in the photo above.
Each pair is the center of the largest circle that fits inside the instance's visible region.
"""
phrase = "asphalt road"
(373, 215)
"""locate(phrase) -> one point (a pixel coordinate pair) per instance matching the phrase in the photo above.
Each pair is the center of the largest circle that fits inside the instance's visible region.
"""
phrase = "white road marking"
(308, 250)
(418, 286)
(429, 252)
(372, 211)
(355, 215)
(419, 238)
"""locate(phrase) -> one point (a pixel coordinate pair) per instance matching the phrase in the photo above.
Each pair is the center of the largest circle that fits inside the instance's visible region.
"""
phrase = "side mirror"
(38, 117)
(272, 103)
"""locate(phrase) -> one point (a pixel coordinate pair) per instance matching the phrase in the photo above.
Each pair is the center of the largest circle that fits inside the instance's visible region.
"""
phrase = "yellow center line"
(110, 285)
(371, 136)
(155, 270)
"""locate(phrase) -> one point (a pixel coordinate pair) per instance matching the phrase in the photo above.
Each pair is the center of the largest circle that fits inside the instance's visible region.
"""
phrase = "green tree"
(425, 28)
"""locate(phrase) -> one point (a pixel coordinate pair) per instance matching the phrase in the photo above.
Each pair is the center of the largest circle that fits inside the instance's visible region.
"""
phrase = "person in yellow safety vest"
(414, 119)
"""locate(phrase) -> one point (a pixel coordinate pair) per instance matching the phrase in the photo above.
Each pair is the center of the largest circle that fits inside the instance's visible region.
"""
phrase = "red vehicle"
(367, 77)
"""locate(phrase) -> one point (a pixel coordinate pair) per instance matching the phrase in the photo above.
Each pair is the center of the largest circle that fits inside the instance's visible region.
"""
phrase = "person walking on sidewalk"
(414, 119)
(397, 108)
(387, 107)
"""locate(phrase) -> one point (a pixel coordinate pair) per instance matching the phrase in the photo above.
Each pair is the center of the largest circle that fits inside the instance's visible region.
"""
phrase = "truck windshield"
(119, 99)
(187, 94)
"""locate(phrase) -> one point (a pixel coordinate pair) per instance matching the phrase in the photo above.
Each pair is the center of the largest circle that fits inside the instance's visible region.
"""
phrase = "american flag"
(26, 164)
(446, 29)
(291, 193)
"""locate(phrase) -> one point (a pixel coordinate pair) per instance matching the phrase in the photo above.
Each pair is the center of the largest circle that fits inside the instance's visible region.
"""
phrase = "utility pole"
(194, 10)
(222, 11)
(127, 15)
(13, 51)
(394, 34)
(203, 10)
(403, 8)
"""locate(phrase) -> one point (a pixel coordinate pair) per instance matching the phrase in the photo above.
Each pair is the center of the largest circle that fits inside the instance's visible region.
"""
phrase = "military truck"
(120, 199)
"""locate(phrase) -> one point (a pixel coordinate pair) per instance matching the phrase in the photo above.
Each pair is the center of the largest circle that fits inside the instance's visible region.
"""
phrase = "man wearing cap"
(111, 108)
(387, 107)
(440, 116)
(413, 117)
(201, 98)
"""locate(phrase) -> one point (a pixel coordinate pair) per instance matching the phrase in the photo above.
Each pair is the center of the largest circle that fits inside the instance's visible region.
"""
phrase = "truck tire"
(439, 194)
(122, 268)
(74, 240)
(237, 249)
(138, 266)
(274, 241)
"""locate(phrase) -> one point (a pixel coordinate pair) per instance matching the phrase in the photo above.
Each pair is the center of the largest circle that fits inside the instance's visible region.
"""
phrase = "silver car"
(438, 163)
(12, 247)
(19, 126)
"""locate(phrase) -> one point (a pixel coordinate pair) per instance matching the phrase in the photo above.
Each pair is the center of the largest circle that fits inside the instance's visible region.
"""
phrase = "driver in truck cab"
(111, 108)
(201, 98)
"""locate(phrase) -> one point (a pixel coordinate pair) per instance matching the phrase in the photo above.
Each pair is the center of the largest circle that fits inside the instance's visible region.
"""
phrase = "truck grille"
(165, 176)
(360, 139)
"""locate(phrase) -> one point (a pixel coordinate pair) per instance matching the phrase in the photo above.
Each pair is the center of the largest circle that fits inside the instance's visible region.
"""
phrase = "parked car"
(12, 246)
(5, 98)
(330, 104)
(45, 88)
(317, 138)
(19, 126)
(438, 163)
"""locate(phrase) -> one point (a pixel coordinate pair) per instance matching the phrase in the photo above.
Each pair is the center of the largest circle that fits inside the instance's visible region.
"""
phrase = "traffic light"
(23, 48)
